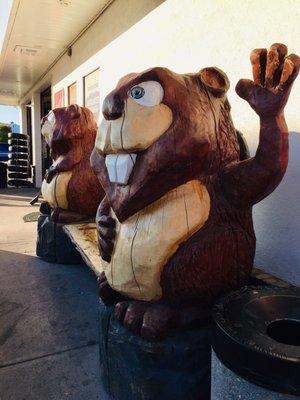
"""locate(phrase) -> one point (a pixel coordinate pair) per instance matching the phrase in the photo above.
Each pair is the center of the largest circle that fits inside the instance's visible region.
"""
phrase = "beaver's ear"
(74, 110)
(215, 80)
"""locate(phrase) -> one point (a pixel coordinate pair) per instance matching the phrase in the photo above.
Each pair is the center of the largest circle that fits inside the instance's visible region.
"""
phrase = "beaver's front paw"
(45, 208)
(106, 293)
(54, 216)
(273, 76)
(106, 235)
(50, 174)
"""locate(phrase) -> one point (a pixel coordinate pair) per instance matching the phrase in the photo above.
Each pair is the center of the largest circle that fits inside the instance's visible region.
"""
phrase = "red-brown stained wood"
(73, 140)
(201, 144)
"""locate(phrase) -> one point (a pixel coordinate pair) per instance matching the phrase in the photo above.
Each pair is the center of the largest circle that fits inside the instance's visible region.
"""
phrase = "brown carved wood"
(200, 144)
(72, 142)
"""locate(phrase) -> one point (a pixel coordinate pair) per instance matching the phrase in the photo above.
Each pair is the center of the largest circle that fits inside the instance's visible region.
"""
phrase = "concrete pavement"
(48, 315)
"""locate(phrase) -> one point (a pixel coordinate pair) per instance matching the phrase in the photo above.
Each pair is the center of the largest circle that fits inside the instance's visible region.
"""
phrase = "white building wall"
(186, 35)
(183, 35)
(22, 118)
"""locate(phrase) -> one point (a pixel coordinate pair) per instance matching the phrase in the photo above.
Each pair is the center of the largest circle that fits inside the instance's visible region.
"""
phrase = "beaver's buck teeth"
(119, 167)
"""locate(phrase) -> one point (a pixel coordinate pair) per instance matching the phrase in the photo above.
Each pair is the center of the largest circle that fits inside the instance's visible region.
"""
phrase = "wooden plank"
(84, 237)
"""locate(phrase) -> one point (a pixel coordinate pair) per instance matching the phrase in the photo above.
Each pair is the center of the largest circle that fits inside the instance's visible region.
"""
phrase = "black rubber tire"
(17, 136)
(17, 142)
(18, 168)
(18, 162)
(18, 149)
(18, 156)
(3, 175)
(19, 183)
(17, 175)
(256, 334)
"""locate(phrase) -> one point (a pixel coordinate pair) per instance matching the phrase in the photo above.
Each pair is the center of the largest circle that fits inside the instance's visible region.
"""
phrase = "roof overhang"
(38, 33)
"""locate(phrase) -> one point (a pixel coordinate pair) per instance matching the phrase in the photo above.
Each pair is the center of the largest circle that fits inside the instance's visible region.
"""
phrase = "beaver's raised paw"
(273, 75)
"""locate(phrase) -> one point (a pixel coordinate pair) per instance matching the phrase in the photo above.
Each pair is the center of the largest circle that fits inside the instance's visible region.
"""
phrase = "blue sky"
(9, 114)
(5, 6)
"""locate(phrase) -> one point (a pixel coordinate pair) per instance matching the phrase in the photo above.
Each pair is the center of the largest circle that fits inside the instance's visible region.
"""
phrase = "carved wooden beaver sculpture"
(175, 227)
(70, 189)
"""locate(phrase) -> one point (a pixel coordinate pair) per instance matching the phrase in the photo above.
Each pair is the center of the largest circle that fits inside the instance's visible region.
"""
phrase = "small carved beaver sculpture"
(70, 189)
(175, 228)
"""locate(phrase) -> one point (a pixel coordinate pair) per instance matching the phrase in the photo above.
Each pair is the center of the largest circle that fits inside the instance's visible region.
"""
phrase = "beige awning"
(38, 33)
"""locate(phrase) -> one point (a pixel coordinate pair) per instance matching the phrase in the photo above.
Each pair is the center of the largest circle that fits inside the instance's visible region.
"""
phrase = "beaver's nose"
(113, 106)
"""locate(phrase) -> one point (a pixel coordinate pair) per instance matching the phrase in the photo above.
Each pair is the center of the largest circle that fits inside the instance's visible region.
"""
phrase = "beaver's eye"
(137, 92)
(149, 93)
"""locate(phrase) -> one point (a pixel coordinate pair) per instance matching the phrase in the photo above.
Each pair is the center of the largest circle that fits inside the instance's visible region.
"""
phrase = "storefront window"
(59, 99)
(92, 93)
(72, 94)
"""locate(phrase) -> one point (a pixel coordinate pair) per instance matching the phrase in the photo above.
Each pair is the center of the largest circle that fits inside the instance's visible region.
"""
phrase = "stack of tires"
(3, 175)
(18, 164)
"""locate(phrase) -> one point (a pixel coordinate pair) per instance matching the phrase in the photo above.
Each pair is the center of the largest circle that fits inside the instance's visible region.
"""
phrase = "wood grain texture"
(71, 178)
(146, 240)
(55, 192)
(84, 237)
(200, 145)
(136, 135)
